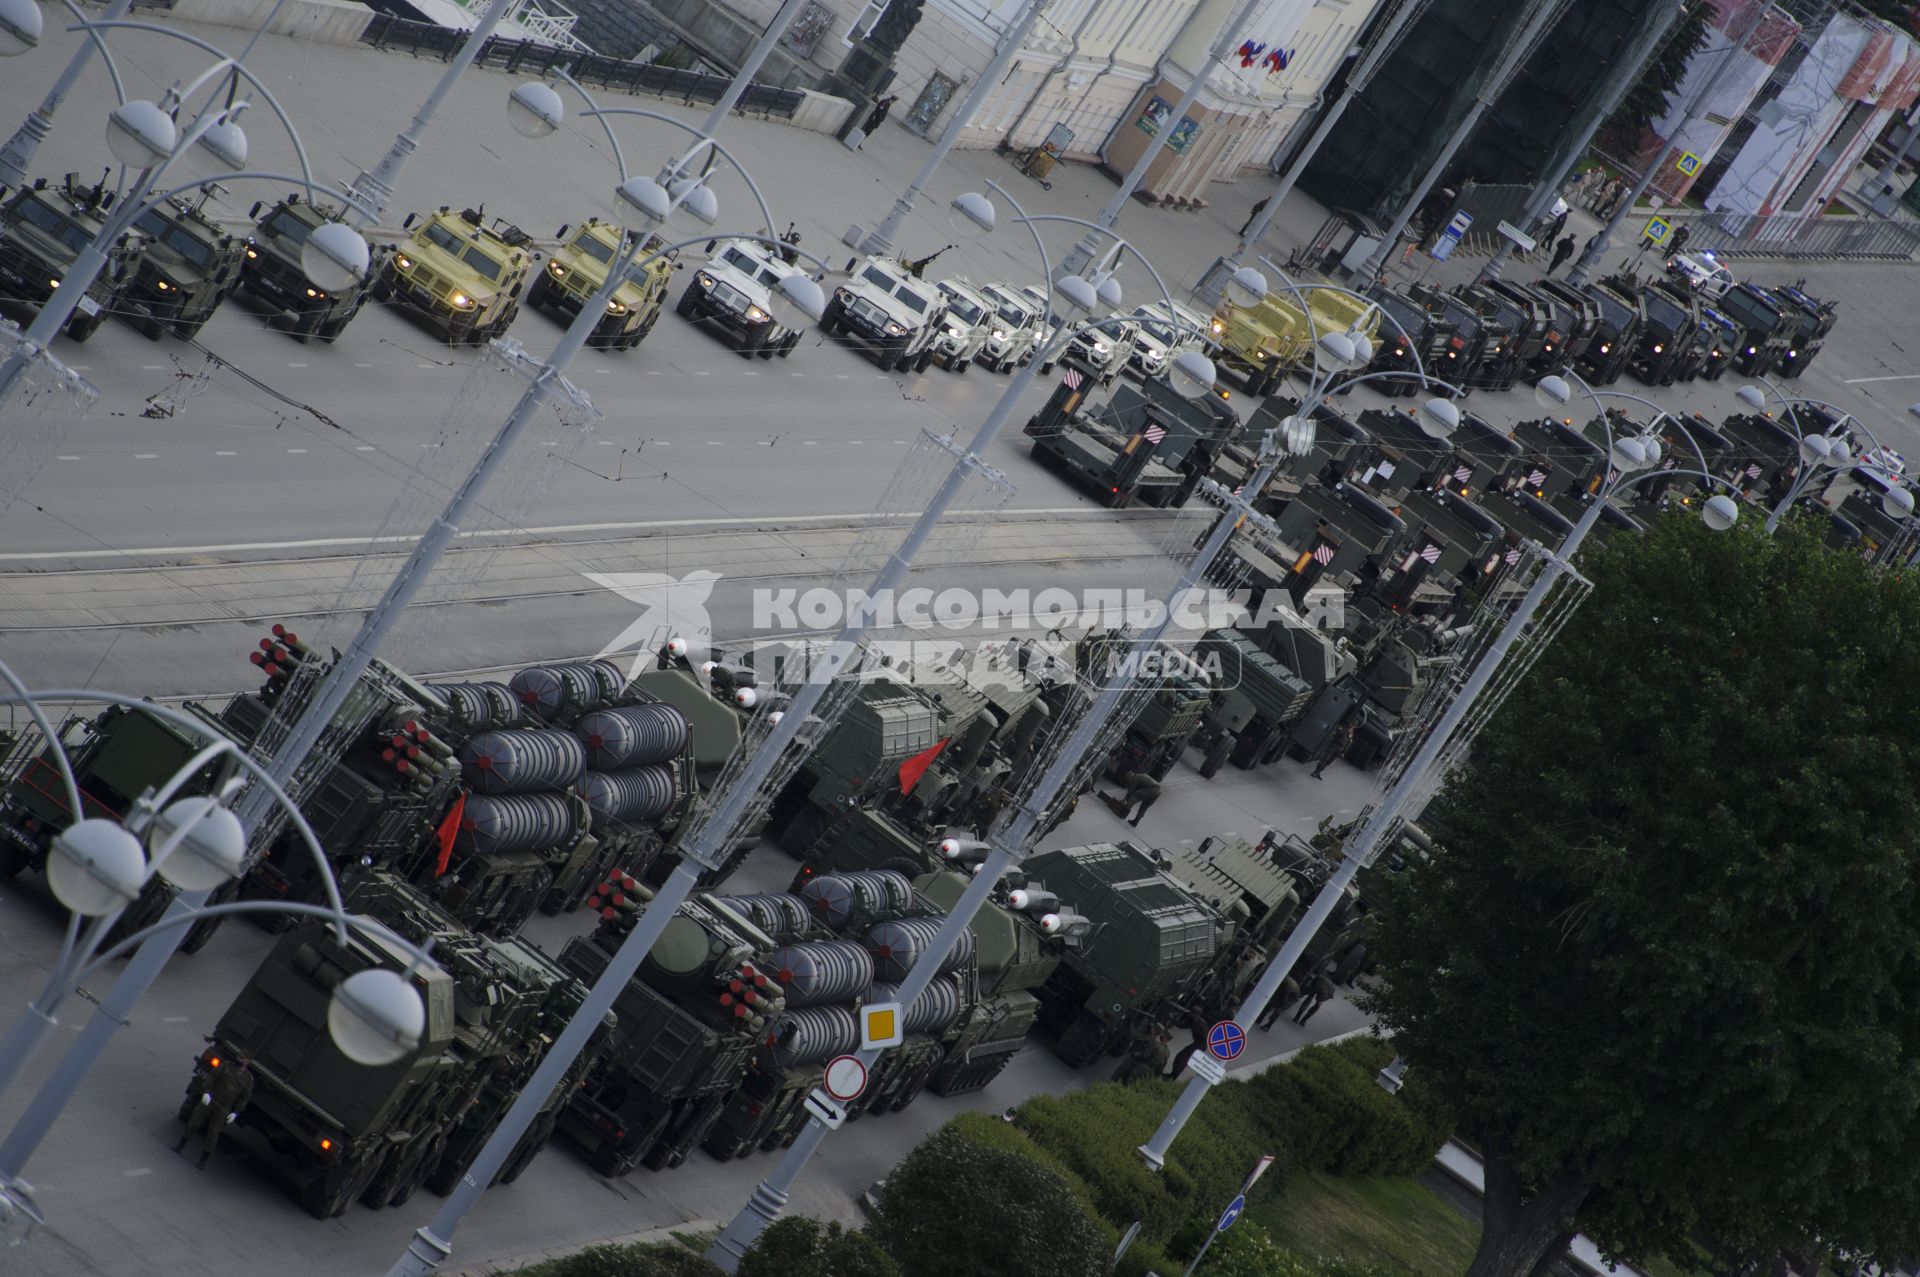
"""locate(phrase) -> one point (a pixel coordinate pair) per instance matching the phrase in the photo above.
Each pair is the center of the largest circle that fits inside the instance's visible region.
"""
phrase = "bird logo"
(670, 607)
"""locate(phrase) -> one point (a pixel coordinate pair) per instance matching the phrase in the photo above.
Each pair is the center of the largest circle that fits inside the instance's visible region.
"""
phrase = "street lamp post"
(16, 157)
(1824, 453)
(1628, 455)
(1532, 28)
(1082, 253)
(1213, 283)
(97, 867)
(880, 238)
(1336, 353)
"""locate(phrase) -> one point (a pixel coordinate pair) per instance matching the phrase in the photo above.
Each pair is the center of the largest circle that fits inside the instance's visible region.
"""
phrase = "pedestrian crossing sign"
(1658, 228)
(1688, 163)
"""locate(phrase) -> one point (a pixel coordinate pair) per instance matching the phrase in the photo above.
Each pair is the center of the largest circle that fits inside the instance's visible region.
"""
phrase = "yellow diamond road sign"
(1688, 163)
(880, 1026)
(1658, 229)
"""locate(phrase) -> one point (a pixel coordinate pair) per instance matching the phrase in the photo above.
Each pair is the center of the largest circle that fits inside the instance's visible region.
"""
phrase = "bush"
(632, 1259)
(800, 1247)
(1248, 1250)
(1337, 1118)
(957, 1207)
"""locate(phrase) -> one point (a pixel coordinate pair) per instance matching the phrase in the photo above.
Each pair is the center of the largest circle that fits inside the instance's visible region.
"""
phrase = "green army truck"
(187, 268)
(1140, 445)
(333, 1130)
(577, 270)
(684, 1038)
(1255, 700)
(1014, 957)
(272, 274)
(460, 273)
(43, 230)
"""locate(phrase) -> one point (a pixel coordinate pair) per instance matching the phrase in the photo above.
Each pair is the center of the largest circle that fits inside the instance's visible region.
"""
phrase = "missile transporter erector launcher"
(334, 1130)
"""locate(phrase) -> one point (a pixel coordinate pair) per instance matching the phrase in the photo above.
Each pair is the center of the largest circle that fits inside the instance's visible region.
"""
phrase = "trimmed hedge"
(632, 1259)
(1248, 1250)
(800, 1247)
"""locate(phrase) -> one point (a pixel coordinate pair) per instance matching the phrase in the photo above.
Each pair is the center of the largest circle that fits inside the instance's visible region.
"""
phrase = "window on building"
(864, 20)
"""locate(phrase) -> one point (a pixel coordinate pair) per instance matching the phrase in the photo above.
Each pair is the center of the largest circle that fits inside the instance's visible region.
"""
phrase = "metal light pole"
(1596, 249)
(1081, 253)
(1541, 15)
(1655, 23)
(1014, 837)
(375, 186)
(1719, 512)
(16, 157)
(1213, 284)
(1821, 453)
(880, 238)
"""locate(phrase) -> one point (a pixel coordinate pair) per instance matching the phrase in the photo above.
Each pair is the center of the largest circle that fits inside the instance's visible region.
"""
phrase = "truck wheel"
(888, 359)
(331, 330)
(926, 358)
(831, 317)
(81, 327)
(750, 344)
(1046, 369)
(187, 330)
(383, 289)
(684, 307)
(768, 349)
(960, 369)
(786, 347)
(199, 933)
(150, 328)
(537, 292)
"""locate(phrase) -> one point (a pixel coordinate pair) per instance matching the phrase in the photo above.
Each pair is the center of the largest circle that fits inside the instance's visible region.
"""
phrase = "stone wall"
(329, 21)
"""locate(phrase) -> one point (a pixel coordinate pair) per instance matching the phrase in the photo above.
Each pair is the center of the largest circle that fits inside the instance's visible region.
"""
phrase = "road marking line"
(363, 365)
(840, 376)
(296, 365)
(796, 374)
(549, 443)
(855, 443)
(663, 443)
(365, 447)
(702, 372)
(653, 372)
(812, 443)
(296, 450)
(606, 443)
(713, 443)
(1851, 381)
(603, 371)
(146, 456)
(66, 458)
(796, 520)
(152, 367)
(137, 1172)
(423, 365)
(226, 454)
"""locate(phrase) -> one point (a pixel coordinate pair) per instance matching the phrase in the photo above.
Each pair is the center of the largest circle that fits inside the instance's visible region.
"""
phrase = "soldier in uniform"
(1284, 997)
(1337, 744)
(1146, 1057)
(220, 1106)
(1143, 791)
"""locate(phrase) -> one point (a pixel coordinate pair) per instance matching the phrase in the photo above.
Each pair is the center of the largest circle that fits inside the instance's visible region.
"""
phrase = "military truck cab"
(1812, 321)
(1619, 326)
(1767, 331)
(1667, 336)
(43, 230)
(734, 292)
(1468, 336)
(1143, 444)
(271, 271)
(577, 270)
(463, 275)
(1412, 339)
(186, 270)
(888, 311)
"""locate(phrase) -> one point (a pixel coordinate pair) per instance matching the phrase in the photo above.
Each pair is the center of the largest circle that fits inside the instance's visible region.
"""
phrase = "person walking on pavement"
(1338, 743)
(1318, 996)
(1287, 994)
(1561, 252)
(1678, 240)
(221, 1104)
(1146, 1056)
(878, 115)
(1258, 209)
(1559, 221)
(1143, 791)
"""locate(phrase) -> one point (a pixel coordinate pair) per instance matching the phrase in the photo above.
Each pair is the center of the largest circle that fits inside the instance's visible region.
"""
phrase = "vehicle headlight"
(704, 280)
(1099, 347)
(253, 253)
(756, 316)
(955, 332)
(616, 308)
(54, 283)
(163, 285)
(1749, 348)
(403, 261)
(1218, 328)
(1793, 354)
(1605, 346)
(895, 330)
(559, 271)
(998, 335)
(1153, 356)
(840, 294)
(1658, 347)
(315, 293)
(462, 301)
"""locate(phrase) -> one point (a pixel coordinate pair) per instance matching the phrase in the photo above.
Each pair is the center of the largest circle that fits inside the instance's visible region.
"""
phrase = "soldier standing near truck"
(1146, 1057)
(220, 1106)
(1337, 745)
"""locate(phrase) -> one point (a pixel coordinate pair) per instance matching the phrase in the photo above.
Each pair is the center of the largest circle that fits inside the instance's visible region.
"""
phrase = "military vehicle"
(460, 273)
(1164, 334)
(576, 271)
(1812, 321)
(1167, 722)
(1262, 343)
(885, 309)
(735, 292)
(271, 271)
(1767, 329)
(1256, 701)
(1719, 342)
(1103, 348)
(117, 757)
(1135, 446)
(1469, 336)
(1621, 319)
(333, 1130)
(969, 322)
(187, 268)
(1537, 333)
(1013, 957)
(1014, 331)
(1517, 335)
(1412, 338)
(43, 230)
(1581, 313)
(1668, 332)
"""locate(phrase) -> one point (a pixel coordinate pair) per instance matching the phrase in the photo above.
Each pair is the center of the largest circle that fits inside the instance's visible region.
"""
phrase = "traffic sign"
(1207, 1068)
(1658, 228)
(846, 1077)
(1522, 241)
(1226, 1040)
(1688, 163)
(880, 1026)
(826, 1108)
(1231, 1214)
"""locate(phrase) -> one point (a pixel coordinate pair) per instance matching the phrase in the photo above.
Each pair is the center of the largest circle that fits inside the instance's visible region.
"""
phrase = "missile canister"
(632, 735)
(821, 971)
(506, 823)
(782, 916)
(631, 796)
(479, 704)
(814, 1035)
(897, 945)
(836, 898)
(554, 691)
(525, 761)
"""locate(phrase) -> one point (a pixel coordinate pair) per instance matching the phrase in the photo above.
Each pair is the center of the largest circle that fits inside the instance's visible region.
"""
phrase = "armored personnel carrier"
(187, 268)
(461, 273)
(577, 270)
(271, 271)
(333, 1130)
(43, 230)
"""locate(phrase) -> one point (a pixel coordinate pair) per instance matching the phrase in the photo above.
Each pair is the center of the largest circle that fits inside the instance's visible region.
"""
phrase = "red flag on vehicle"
(914, 768)
(448, 831)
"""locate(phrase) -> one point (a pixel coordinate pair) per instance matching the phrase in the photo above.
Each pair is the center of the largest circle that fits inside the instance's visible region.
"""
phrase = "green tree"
(1666, 973)
(800, 1247)
(956, 1208)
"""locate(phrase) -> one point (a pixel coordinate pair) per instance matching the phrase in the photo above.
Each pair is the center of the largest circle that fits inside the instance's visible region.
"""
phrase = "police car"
(1703, 274)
